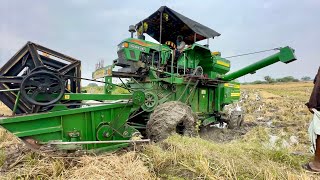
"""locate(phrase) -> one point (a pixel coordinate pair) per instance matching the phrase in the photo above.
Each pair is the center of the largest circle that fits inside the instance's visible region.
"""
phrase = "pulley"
(30, 59)
(42, 88)
(151, 101)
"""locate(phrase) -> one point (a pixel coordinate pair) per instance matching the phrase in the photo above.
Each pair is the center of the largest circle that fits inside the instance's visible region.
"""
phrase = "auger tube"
(286, 55)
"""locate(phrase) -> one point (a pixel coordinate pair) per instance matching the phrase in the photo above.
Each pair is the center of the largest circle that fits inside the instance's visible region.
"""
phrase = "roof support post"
(160, 39)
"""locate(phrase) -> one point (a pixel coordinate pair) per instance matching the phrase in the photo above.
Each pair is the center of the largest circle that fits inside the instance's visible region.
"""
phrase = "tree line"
(270, 80)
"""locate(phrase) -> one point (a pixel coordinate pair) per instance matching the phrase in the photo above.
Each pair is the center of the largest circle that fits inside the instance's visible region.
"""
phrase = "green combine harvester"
(168, 92)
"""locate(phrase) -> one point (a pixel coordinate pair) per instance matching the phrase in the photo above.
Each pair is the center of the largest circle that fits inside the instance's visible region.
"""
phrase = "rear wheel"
(235, 119)
(169, 118)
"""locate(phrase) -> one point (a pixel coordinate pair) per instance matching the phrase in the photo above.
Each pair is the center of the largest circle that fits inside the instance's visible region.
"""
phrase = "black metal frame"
(13, 72)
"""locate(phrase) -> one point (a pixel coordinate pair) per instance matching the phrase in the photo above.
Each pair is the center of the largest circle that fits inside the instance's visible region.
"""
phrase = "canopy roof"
(174, 24)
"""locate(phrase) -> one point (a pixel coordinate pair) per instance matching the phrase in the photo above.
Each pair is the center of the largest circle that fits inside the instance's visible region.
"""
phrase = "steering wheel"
(42, 88)
(171, 44)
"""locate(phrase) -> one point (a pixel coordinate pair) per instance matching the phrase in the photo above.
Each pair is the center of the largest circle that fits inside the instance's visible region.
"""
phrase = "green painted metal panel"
(287, 55)
(62, 125)
(73, 96)
(38, 131)
(203, 99)
(218, 98)
(45, 137)
(211, 99)
(235, 92)
(61, 113)
(193, 98)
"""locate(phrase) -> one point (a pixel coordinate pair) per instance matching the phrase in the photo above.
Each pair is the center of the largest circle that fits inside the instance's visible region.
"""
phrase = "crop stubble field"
(272, 144)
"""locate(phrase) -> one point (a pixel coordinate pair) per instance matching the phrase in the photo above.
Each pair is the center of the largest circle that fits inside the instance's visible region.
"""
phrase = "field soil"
(272, 144)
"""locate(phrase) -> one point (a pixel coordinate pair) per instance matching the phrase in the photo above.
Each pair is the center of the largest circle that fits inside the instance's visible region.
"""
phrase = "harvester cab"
(165, 93)
(136, 55)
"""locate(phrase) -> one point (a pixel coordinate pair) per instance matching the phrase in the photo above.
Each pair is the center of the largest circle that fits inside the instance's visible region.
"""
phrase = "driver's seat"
(171, 44)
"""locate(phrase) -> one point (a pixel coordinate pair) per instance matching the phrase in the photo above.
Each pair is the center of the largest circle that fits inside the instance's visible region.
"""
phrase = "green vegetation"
(93, 89)
(306, 78)
(286, 79)
(100, 90)
(119, 90)
(92, 84)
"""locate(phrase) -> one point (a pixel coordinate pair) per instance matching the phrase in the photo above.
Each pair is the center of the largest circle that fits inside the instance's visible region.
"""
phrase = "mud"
(251, 105)
(222, 135)
(170, 117)
(284, 117)
(17, 154)
(14, 156)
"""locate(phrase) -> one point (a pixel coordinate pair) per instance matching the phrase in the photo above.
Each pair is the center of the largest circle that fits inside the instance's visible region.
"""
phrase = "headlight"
(123, 45)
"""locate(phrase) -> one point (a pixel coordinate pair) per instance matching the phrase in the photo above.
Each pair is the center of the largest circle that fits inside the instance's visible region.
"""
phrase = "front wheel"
(233, 115)
(235, 119)
(169, 118)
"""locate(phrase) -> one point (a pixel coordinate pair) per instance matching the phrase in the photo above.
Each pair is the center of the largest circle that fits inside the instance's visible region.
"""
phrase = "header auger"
(168, 92)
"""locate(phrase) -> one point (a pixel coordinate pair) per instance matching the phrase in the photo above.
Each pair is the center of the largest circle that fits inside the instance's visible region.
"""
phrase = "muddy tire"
(235, 120)
(169, 118)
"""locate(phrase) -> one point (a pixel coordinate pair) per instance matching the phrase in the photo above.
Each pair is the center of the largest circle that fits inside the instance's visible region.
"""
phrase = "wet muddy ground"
(278, 108)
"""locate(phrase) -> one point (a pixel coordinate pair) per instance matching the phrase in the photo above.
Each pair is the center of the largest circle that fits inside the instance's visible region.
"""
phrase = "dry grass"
(18, 162)
(107, 166)
(278, 85)
(284, 106)
(100, 90)
(4, 110)
(195, 158)
(126, 166)
(248, 157)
